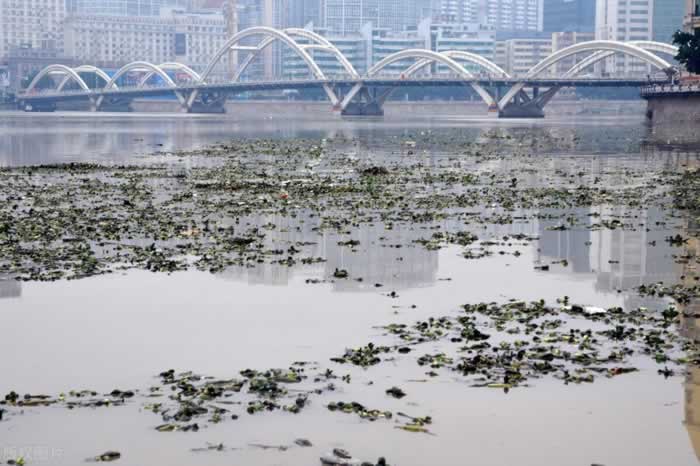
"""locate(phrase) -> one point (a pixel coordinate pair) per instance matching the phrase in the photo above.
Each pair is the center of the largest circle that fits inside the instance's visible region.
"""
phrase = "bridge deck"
(385, 82)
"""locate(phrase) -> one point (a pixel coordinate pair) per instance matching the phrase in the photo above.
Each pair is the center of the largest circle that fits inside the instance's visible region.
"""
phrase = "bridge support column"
(527, 110)
(112, 105)
(204, 103)
(524, 106)
(364, 103)
(363, 109)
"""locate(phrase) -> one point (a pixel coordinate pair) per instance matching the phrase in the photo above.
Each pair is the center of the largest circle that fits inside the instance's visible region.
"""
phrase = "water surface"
(121, 330)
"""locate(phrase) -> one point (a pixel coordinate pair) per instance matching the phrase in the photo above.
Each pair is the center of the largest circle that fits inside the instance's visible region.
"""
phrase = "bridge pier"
(365, 103)
(199, 107)
(117, 105)
(363, 109)
(205, 103)
(521, 111)
(524, 106)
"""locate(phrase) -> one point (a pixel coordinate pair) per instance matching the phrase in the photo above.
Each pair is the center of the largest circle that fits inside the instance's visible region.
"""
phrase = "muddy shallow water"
(121, 329)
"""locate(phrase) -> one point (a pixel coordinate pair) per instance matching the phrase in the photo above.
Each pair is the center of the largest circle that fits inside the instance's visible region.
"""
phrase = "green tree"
(688, 50)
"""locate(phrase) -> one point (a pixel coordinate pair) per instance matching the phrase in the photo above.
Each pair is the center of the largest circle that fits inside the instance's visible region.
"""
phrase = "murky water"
(122, 330)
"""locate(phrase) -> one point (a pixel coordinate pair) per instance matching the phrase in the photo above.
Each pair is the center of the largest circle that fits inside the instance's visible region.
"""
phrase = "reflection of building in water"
(690, 328)
(9, 287)
(692, 407)
(281, 232)
(376, 259)
(690, 325)
(388, 257)
(627, 258)
(620, 258)
(672, 156)
(569, 244)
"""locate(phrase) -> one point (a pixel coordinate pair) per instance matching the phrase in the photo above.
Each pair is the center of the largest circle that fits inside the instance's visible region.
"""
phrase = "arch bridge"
(351, 93)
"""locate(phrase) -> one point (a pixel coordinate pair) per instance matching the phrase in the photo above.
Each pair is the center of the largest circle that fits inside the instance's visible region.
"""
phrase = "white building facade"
(518, 56)
(112, 41)
(503, 15)
(691, 22)
(35, 24)
(624, 20)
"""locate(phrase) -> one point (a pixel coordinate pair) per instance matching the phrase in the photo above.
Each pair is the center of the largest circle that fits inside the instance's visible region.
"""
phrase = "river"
(120, 330)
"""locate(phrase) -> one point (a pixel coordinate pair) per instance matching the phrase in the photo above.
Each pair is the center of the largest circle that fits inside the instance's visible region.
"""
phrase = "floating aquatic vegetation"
(78, 220)
(364, 356)
(354, 407)
(107, 456)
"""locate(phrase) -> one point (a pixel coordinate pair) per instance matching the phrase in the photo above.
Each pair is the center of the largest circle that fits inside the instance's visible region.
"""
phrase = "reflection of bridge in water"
(350, 93)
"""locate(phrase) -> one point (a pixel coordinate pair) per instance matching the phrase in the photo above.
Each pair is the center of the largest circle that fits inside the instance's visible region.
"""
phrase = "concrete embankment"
(674, 112)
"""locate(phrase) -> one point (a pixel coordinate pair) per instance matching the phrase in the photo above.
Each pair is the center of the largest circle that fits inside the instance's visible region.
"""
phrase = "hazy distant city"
(514, 34)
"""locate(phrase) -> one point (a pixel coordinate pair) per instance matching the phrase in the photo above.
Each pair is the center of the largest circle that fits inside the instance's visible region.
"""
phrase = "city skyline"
(515, 34)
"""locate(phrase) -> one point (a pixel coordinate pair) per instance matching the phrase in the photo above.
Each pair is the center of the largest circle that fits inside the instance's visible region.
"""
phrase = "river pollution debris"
(289, 208)
(106, 457)
(76, 220)
(341, 457)
(503, 346)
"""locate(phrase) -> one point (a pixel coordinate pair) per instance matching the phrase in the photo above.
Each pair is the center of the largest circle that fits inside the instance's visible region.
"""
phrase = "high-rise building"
(568, 16)
(382, 44)
(668, 18)
(31, 24)
(624, 20)
(347, 17)
(473, 38)
(303, 12)
(354, 48)
(520, 55)
(113, 41)
(691, 22)
(270, 13)
(562, 40)
(515, 15)
(462, 11)
(504, 15)
(116, 7)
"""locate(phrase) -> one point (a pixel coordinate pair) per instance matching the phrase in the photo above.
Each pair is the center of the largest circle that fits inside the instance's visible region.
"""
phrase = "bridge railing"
(668, 88)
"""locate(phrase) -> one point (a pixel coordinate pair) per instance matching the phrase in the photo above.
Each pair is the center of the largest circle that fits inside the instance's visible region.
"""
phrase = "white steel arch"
(591, 46)
(172, 66)
(84, 69)
(140, 66)
(469, 57)
(57, 69)
(431, 56)
(269, 33)
(321, 43)
(264, 31)
(415, 54)
(592, 59)
(318, 43)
